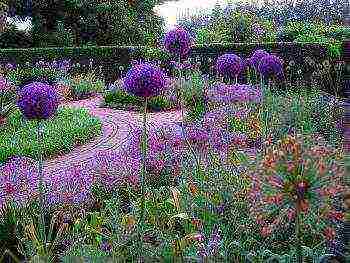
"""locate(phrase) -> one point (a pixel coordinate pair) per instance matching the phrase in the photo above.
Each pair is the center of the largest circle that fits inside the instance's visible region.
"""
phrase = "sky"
(169, 10)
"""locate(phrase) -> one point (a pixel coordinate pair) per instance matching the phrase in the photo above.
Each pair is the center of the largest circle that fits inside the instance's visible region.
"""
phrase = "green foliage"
(333, 46)
(307, 113)
(155, 54)
(83, 86)
(159, 103)
(121, 99)
(193, 96)
(61, 134)
(22, 75)
(14, 38)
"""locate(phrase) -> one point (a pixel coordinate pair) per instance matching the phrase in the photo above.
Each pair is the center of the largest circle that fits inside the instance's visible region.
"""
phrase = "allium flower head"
(38, 100)
(271, 65)
(230, 65)
(289, 176)
(257, 57)
(178, 42)
(145, 80)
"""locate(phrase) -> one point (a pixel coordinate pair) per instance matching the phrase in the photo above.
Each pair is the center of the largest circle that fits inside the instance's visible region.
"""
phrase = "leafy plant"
(83, 86)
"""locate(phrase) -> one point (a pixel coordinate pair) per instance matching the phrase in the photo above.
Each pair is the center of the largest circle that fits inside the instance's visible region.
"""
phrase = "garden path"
(116, 128)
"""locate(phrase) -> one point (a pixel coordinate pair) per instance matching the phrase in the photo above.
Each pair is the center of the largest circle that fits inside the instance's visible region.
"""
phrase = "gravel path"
(116, 128)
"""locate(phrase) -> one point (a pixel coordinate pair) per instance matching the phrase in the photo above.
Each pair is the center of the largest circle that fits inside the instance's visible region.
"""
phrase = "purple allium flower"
(178, 42)
(257, 57)
(38, 101)
(145, 80)
(229, 65)
(271, 65)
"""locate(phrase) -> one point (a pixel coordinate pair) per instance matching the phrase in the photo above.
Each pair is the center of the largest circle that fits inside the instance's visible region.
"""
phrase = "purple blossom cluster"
(256, 58)
(211, 249)
(145, 80)
(38, 101)
(69, 186)
(18, 181)
(222, 93)
(165, 147)
(178, 42)
(230, 65)
(271, 65)
(5, 85)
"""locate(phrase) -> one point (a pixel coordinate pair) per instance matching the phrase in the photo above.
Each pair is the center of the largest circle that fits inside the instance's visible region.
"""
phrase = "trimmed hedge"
(112, 57)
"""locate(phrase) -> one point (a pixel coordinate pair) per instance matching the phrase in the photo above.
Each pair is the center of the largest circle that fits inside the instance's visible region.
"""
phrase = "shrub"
(84, 86)
(61, 134)
(333, 46)
(121, 99)
(22, 76)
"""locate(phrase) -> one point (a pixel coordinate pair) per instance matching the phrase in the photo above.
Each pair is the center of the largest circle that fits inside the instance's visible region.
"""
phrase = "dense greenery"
(119, 99)
(69, 128)
(87, 22)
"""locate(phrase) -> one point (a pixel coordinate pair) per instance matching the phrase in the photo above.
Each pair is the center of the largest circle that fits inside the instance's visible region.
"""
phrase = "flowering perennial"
(145, 80)
(38, 101)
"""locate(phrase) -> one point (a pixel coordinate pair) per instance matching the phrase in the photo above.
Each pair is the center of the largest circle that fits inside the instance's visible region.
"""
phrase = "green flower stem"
(179, 93)
(299, 252)
(143, 173)
(41, 184)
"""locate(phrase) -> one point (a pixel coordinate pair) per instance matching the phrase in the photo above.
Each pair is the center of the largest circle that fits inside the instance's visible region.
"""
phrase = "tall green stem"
(182, 119)
(299, 252)
(143, 173)
(41, 184)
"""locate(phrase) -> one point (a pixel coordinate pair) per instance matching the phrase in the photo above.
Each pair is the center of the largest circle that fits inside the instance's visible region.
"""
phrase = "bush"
(305, 114)
(84, 86)
(333, 46)
(14, 38)
(22, 76)
(68, 128)
(120, 99)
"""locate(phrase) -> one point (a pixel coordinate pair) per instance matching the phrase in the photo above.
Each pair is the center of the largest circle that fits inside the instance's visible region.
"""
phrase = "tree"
(100, 21)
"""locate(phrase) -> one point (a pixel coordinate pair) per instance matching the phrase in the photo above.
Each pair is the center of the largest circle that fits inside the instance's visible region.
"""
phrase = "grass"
(61, 133)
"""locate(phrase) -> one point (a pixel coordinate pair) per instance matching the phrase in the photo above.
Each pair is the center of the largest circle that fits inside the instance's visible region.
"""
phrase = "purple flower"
(38, 101)
(145, 80)
(230, 65)
(178, 42)
(10, 66)
(222, 93)
(257, 57)
(271, 65)
(5, 85)
(106, 246)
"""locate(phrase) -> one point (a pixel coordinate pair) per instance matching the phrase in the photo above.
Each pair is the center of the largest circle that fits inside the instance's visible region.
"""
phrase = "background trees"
(82, 22)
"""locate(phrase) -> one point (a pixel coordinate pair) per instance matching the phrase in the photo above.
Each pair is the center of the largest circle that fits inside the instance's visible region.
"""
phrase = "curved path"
(116, 128)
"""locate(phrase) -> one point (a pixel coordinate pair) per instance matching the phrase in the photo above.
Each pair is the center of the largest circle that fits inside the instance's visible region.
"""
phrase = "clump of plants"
(85, 85)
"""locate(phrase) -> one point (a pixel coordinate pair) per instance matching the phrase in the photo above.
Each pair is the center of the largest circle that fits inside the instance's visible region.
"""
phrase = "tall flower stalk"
(38, 101)
(179, 92)
(143, 172)
(40, 132)
(144, 80)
